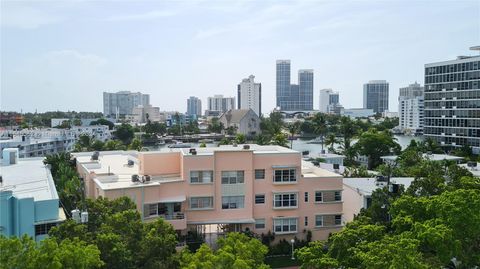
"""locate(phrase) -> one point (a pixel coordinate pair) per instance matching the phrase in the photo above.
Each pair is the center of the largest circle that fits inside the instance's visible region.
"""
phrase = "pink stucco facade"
(262, 188)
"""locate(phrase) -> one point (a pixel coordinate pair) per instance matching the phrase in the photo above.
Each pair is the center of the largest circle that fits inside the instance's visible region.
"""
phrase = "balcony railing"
(177, 215)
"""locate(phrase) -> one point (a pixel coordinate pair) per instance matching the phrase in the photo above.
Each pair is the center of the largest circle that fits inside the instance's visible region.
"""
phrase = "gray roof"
(366, 186)
(235, 115)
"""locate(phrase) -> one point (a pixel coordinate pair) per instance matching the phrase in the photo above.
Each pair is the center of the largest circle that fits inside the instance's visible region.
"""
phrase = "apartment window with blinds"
(285, 225)
(259, 173)
(328, 196)
(259, 198)
(259, 223)
(233, 202)
(201, 202)
(306, 221)
(232, 177)
(201, 177)
(285, 175)
(306, 197)
(328, 220)
(285, 200)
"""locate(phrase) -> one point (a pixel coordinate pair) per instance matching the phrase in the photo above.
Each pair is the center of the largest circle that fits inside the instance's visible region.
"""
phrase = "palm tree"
(293, 129)
(330, 141)
(320, 126)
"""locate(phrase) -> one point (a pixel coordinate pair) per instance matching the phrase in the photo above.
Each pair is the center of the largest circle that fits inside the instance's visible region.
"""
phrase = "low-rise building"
(29, 202)
(357, 192)
(235, 188)
(358, 112)
(392, 159)
(245, 121)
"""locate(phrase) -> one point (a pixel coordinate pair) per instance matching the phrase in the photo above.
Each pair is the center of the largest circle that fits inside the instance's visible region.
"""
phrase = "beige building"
(245, 121)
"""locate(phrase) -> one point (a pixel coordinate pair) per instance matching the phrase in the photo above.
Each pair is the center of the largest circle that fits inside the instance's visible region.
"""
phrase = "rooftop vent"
(193, 151)
(146, 178)
(336, 166)
(246, 146)
(135, 178)
(95, 156)
(234, 144)
(472, 164)
(130, 163)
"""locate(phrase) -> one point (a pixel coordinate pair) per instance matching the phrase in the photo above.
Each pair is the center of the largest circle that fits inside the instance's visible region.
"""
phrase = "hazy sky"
(61, 55)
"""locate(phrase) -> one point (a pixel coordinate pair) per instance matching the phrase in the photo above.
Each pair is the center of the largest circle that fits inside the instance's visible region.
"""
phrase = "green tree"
(236, 251)
(103, 121)
(125, 133)
(136, 144)
(279, 140)
(77, 122)
(293, 130)
(215, 126)
(240, 139)
(113, 145)
(374, 144)
(330, 142)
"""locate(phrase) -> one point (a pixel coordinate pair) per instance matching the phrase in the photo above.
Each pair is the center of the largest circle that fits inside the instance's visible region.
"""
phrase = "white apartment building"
(122, 103)
(329, 100)
(220, 104)
(250, 95)
(410, 108)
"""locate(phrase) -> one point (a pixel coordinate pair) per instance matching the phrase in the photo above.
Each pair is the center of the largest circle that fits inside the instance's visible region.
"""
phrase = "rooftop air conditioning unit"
(246, 146)
(95, 156)
(193, 151)
(130, 163)
(146, 178)
(336, 166)
(135, 178)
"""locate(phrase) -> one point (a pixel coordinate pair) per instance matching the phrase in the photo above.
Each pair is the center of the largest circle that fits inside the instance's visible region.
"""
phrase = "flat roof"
(28, 178)
(309, 170)
(467, 59)
(432, 157)
(256, 149)
(367, 185)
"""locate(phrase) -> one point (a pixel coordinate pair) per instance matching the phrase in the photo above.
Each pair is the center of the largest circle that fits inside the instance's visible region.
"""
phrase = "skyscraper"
(194, 106)
(283, 84)
(452, 102)
(410, 108)
(250, 95)
(122, 103)
(294, 97)
(221, 104)
(375, 95)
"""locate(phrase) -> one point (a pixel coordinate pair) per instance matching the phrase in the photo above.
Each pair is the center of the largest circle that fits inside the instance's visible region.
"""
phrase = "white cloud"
(14, 15)
(151, 15)
(61, 56)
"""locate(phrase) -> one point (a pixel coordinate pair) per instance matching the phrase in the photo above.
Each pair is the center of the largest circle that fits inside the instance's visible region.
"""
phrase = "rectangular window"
(201, 177)
(232, 177)
(232, 202)
(286, 175)
(338, 196)
(259, 198)
(285, 200)
(328, 196)
(306, 221)
(259, 173)
(318, 196)
(306, 197)
(41, 229)
(328, 220)
(259, 223)
(285, 225)
(201, 202)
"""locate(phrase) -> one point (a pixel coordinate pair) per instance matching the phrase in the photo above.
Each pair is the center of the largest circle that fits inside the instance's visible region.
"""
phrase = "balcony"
(177, 220)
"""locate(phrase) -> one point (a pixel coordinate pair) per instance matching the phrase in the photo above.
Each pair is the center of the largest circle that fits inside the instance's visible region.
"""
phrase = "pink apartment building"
(262, 188)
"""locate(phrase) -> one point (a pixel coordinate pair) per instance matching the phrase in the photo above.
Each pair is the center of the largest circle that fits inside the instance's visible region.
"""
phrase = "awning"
(174, 199)
(229, 221)
(284, 166)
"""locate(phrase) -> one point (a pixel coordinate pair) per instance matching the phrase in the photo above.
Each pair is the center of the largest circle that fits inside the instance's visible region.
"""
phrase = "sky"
(61, 55)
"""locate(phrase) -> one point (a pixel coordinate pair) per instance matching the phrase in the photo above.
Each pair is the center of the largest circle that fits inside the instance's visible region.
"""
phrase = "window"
(259, 173)
(328, 196)
(306, 221)
(201, 202)
(285, 200)
(232, 177)
(306, 197)
(41, 229)
(286, 175)
(201, 177)
(328, 220)
(232, 202)
(285, 225)
(259, 223)
(259, 198)
(151, 210)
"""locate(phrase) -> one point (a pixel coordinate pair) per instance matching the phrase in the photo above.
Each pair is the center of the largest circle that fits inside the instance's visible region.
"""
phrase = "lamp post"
(293, 242)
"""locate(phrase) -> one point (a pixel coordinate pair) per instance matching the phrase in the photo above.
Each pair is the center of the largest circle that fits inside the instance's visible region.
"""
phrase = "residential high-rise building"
(194, 106)
(294, 97)
(305, 89)
(250, 95)
(329, 100)
(283, 84)
(221, 104)
(375, 95)
(121, 103)
(452, 102)
(410, 108)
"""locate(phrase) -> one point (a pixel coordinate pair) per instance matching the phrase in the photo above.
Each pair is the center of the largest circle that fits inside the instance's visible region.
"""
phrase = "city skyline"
(174, 50)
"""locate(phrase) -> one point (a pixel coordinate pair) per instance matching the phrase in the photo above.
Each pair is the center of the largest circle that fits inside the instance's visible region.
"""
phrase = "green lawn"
(280, 262)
